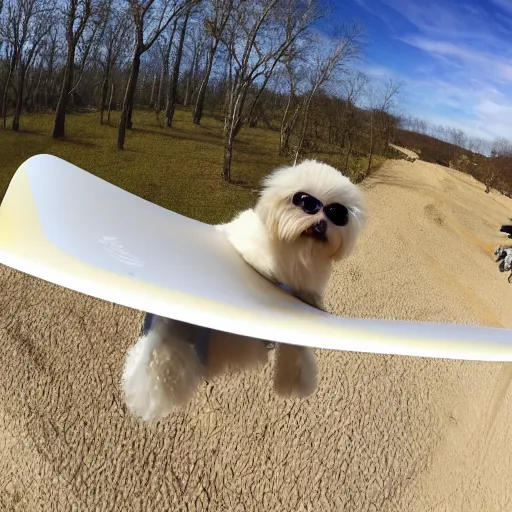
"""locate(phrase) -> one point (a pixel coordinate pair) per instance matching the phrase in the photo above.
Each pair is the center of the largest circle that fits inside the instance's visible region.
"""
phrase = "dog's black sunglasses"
(335, 212)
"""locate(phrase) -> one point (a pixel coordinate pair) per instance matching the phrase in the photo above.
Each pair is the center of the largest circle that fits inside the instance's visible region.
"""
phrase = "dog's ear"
(267, 210)
(340, 253)
(350, 233)
(272, 224)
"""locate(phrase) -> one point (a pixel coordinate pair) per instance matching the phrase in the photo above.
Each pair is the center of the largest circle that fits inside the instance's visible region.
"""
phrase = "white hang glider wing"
(64, 225)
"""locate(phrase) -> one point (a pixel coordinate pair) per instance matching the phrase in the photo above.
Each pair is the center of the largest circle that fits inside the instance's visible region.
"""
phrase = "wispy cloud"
(461, 73)
(495, 67)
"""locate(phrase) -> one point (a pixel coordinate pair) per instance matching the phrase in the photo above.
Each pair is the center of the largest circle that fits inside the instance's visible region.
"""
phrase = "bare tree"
(11, 35)
(173, 86)
(1, 32)
(116, 30)
(288, 121)
(354, 85)
(165, 47)
(260, 35)
(77, 15)
(49, 56)
(196, 50)
(214, 28)
(381, 105)
(31, 24)
(346, 50)
(150, 19)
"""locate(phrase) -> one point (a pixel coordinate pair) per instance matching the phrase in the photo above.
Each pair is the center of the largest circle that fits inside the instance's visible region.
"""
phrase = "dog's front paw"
(160, 375)
(295, 371)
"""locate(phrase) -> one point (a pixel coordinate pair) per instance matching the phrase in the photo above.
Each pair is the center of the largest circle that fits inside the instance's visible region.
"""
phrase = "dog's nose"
(320, 227)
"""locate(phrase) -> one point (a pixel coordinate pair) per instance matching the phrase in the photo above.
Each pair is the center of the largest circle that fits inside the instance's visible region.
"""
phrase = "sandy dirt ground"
(382, 433)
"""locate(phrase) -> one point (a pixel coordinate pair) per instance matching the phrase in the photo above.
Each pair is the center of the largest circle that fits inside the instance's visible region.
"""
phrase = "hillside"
(431, 149)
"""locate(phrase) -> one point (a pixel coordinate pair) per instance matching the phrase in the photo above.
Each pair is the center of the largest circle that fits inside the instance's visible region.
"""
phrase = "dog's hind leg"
(295, 371)
(162, 370)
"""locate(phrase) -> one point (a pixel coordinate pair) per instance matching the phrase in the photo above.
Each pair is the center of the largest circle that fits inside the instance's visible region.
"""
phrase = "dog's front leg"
(295, 371)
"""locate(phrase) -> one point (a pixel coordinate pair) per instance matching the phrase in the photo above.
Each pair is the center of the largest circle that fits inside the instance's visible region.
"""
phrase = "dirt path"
(427, 251)
(381, 434)
(405, 151)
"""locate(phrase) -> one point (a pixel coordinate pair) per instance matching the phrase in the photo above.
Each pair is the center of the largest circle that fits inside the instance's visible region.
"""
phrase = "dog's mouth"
(317, 232)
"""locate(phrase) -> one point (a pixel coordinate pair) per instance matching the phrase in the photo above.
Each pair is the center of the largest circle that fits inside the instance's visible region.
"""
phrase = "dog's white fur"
(162, 370)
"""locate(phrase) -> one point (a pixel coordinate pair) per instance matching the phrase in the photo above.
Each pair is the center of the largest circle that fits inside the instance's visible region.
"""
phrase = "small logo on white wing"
(115, 248)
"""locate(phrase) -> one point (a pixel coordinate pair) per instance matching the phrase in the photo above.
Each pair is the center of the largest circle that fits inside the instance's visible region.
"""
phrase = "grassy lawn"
(178, 168)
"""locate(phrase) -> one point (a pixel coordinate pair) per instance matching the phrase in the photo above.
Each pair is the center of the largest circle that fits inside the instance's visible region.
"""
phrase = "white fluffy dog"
(307, 217)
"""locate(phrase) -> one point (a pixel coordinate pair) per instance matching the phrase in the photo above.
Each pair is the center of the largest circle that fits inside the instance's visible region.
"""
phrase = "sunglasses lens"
(337, 214)
(307, 203)
(310, 204)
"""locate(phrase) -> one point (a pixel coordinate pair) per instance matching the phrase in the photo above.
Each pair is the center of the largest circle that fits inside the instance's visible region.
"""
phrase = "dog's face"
(313, 206)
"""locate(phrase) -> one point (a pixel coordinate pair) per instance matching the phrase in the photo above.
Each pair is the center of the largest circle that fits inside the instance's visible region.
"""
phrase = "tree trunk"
(305, 125)
(128, 99)
(152, 95)
(372, 144)
(129, 123)
(194, 79)
(227, 107)
(201, 96)
(158, 103)
(234, 125)
(103, 98)
(228, 157)
(349, 153)
(12, 67)
(105, 82)
(187, 88)
(19, 101)
(173, 89)
(49, 77)
(110, 102)
(190, 78)
(287, 128)
(35, 95)
(165, 69)
(59, 126)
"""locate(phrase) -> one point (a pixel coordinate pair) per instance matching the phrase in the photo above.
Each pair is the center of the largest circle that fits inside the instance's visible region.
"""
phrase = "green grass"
(178, 168)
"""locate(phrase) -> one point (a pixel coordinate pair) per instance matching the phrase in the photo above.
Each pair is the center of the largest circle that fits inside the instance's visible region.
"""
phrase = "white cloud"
(465, 78)
(495, 67)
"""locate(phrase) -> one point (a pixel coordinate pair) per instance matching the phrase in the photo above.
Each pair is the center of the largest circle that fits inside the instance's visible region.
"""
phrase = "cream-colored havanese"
(307, 217)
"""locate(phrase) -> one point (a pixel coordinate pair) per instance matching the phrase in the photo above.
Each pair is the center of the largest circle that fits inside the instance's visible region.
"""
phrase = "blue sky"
(455, 58)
